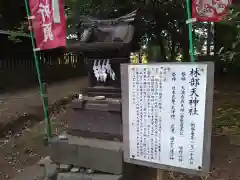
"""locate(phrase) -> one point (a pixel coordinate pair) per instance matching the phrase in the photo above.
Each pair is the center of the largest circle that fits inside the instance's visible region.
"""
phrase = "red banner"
(210, 10)
(48, 23)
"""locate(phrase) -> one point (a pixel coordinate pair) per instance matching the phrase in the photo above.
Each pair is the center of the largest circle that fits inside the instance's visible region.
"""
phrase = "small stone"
(20, 170)
(80, 96)
(99, 97)
(45, 160)
(64, 167)
(75, 170)
(27, 150)
(82, 170)
(7, 176)
(14, 145)
(62, 137)
(89, 171)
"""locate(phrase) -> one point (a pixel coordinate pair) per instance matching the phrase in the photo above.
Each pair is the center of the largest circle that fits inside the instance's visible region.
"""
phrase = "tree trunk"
(163, 51)
(173, 50)
(209, 38)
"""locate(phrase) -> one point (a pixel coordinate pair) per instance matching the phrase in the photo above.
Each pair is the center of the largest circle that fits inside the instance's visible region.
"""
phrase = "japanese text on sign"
(167, 104)
(48, 23)
(44, 9)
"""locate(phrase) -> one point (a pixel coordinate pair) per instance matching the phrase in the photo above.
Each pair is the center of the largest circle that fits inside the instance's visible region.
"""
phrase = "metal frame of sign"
(207, 124)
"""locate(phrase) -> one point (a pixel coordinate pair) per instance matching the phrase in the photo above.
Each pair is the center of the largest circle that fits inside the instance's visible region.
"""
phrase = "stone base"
(100, 155)
(109, 92)
(83, 176)
(93, 118)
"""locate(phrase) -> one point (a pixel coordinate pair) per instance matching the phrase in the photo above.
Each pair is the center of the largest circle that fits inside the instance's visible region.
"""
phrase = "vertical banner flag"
(210, 10)
(48, 23)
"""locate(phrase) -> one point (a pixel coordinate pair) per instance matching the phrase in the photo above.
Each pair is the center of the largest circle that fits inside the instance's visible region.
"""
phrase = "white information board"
(165, 123)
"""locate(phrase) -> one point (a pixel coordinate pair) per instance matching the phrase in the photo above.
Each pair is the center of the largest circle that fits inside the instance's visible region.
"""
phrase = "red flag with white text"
(210, 10)
(48, 23)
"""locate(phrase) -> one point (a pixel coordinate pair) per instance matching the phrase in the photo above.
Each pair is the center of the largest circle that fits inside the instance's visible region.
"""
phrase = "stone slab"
(51, 171)
(83, 176)
(100, 155)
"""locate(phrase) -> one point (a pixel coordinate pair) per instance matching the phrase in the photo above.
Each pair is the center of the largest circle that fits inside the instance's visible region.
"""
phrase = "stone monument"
(94, 135)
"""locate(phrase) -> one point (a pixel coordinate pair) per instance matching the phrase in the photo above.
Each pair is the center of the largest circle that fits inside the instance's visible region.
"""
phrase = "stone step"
(99, 155)
(82, 176)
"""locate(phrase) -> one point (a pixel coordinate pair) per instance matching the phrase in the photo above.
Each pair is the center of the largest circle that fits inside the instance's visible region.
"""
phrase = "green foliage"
(163, 24)
(230, 27)
(13, 19)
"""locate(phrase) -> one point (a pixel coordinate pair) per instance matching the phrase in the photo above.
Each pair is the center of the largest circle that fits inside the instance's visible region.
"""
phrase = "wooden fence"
(18, 70)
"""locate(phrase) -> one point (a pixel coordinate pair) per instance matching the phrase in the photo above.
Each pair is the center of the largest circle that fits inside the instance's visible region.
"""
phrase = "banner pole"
(190, 29)
(48, 127)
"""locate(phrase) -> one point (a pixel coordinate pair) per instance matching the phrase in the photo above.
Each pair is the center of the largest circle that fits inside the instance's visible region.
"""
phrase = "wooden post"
(45, 91)
(160, 174)
(45, 98)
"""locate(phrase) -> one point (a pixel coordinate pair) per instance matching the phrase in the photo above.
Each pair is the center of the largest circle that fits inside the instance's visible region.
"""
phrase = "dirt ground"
(26, 147)
(23, 107)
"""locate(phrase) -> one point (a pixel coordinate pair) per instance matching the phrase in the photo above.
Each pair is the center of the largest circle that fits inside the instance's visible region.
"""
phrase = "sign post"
(190, 29)
(167, 116)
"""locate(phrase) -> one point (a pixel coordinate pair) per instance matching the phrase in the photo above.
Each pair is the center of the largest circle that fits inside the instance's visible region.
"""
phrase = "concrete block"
(82, 176)
(100, 155)
(51, 171)
(65, 167)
